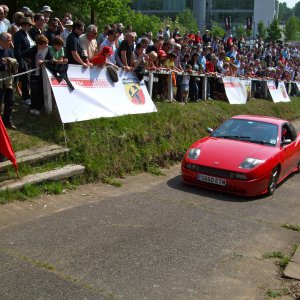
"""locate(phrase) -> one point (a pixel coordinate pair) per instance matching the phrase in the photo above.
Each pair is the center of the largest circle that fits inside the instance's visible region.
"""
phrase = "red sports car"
(247, 155)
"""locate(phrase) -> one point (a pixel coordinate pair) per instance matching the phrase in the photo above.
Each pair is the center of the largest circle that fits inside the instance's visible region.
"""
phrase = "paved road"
(153, 238)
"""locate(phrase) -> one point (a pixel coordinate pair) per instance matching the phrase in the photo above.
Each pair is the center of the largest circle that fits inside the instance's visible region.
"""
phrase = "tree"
(240, 31)
(292, 29)
(261, 30)
(186, 19)
(274, 31)
(217, 31)
(284, 12)
(297, 9)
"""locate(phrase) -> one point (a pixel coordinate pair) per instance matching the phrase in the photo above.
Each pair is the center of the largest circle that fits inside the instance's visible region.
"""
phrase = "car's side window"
(287, 133)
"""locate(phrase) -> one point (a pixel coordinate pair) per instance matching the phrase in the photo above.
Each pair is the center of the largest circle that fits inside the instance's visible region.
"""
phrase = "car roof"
(266, 119)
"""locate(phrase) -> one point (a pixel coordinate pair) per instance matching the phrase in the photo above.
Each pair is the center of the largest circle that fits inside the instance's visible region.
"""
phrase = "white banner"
(95, 95)
(279, 94)
(235, 90)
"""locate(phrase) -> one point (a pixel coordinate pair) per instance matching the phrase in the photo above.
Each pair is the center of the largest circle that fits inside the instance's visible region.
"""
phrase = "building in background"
(236, 12)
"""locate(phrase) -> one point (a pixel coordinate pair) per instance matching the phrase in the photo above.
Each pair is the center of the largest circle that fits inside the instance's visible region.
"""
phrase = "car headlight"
(194, 153)
(250, 163)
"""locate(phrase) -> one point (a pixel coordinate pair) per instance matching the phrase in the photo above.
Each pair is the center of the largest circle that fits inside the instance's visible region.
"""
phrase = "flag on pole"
(6, 147)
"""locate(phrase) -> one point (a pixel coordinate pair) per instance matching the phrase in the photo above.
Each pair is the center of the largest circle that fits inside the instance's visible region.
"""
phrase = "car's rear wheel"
(298, 167)
(273, 181)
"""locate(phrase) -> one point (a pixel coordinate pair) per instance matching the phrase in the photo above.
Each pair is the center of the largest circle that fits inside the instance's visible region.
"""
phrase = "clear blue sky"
(289, 3)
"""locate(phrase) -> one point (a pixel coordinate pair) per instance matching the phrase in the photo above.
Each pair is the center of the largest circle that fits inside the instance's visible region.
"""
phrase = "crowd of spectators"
(33, 38)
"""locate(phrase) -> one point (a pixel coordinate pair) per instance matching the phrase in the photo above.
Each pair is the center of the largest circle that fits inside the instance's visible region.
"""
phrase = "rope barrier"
(19, 74)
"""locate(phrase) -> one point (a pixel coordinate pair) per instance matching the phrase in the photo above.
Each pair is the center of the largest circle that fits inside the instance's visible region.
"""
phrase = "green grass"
(112, 148)
(291, 227)
(277, 293)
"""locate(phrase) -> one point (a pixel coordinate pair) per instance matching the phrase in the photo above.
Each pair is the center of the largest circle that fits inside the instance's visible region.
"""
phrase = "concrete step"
(35, 155)
(53, 175)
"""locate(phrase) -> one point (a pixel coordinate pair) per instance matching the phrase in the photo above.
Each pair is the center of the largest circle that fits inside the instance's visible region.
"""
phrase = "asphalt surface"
(152, 238)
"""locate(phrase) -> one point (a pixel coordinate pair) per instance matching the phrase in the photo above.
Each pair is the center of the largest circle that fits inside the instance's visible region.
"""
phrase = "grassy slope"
(114, 147)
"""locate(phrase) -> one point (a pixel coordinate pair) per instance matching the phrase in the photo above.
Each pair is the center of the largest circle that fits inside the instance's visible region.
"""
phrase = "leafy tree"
(187, 20)
(217, 30)
(292, 29)
(274, 31)
(284, 12)
(297, 9)
(240, 31)
(262, 30)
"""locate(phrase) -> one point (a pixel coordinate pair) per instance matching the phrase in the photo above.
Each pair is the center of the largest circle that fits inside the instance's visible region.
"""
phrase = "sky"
(289, 3)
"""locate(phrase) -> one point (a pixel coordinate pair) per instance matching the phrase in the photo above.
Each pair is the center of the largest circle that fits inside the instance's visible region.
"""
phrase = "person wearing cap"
(102, 58)
(37, 28)
(74, 52)
(206, 38)
(88, 42)
(46, 11)
(22, 42)
(26, 11)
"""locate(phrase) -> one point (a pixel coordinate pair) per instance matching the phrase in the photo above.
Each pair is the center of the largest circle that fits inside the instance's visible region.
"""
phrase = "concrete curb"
(293, 268)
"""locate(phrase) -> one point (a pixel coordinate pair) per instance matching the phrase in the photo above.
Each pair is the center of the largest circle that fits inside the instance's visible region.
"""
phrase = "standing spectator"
(102, 36)
(150, 38)
(6, 87)
(67, 30)
(26, 11)
(37, 29)
(111, 42)
(37, 55)
(66, 17)
(16, 25)
(3, 25)
(124, 55)
(22, 42)
(198, 38)
(46, 11)
(206, 38)
(6, 11)
(52, 29)
(167, 33)
(74, 51)
(88, 42)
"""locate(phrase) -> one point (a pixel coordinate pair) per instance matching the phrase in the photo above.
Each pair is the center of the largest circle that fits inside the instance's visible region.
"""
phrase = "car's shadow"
(176, 183)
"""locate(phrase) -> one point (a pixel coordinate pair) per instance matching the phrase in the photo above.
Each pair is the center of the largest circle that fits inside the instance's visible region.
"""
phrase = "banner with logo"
(278, 94)
(235, 90)
(95, 95)
(247, 83)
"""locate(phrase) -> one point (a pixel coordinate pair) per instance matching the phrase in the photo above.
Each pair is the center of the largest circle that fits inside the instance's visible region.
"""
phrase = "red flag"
(5, 145)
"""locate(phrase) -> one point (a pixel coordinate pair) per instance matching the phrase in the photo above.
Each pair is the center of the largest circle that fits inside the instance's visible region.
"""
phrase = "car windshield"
(249, 131)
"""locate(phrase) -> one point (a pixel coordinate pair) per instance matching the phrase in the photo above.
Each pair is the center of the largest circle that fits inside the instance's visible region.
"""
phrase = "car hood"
(229, 154)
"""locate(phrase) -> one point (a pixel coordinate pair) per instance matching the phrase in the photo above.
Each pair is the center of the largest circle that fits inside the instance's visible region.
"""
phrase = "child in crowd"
(101, 59)
(185, 84)
(57, 50)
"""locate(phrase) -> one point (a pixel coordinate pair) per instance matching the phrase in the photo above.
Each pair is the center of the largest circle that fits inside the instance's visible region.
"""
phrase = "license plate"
(211, 179)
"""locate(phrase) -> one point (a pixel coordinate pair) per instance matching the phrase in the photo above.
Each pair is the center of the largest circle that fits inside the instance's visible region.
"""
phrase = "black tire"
(273, 181)
(298, 167)
(112, 73)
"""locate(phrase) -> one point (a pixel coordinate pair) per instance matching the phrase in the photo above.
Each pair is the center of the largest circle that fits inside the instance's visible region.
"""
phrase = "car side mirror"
(209, 130)
(286, 142)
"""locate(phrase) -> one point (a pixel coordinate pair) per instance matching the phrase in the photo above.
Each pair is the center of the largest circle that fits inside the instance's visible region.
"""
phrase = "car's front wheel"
(298, 167)
(273, 181)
